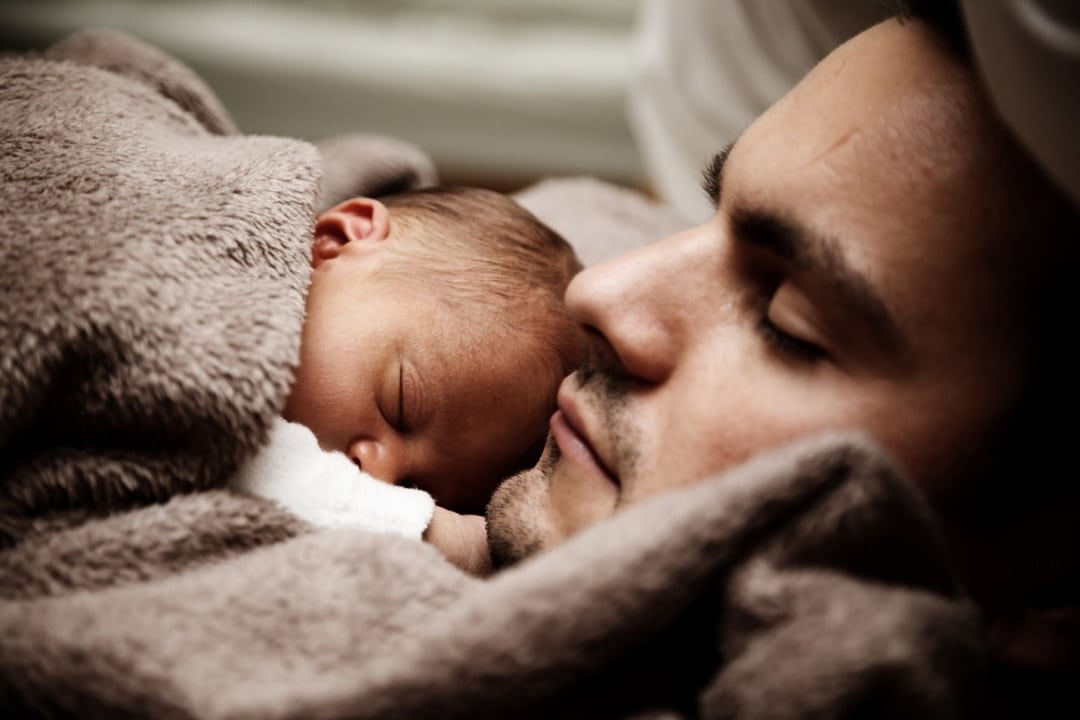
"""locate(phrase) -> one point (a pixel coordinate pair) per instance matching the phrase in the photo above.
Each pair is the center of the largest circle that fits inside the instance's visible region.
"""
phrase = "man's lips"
(573, 441)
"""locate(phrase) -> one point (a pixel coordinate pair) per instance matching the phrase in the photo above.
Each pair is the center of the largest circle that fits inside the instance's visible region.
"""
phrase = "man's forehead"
(887, 57)
(894, 181)
(867, 146)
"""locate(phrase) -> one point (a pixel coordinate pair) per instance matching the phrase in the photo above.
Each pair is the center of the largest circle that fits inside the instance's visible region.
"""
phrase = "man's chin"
(519, 514)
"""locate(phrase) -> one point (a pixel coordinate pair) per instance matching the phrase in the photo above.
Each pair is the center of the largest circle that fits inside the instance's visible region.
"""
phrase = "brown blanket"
(152, 280)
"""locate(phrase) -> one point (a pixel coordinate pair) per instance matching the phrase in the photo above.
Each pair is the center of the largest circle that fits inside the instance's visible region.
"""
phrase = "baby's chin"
(519, 515)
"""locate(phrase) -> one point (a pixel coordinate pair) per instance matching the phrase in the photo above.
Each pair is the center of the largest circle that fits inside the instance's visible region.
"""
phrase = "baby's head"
(435, 339)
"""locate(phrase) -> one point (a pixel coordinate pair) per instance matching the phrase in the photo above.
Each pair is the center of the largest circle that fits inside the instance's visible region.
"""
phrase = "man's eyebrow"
(712, 175)
(806, 249)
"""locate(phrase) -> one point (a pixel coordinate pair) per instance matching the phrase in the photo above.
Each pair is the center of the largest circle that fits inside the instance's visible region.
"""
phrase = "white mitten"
(326, 489)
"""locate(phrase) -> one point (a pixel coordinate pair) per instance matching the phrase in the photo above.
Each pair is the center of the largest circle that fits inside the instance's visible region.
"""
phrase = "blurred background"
(498, 92)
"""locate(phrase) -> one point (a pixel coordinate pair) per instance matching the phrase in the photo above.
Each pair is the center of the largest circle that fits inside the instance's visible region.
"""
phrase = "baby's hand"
(462, 539)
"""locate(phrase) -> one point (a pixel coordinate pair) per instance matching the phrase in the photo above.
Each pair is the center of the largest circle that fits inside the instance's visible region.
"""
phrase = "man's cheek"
(579, 500)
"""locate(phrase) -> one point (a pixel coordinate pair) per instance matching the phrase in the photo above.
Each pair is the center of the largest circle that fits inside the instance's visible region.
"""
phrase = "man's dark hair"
(1028, 454)
(942, 16)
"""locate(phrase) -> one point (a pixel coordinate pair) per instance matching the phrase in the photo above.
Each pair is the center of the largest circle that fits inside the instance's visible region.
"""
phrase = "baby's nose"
(382, 460)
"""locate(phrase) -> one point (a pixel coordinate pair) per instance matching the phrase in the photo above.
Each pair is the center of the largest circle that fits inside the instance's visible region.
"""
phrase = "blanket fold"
(714, 608)
(153, 268)
(131, 236)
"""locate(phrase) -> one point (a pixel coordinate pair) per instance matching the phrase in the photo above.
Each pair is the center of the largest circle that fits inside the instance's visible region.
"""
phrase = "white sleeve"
(326, 489)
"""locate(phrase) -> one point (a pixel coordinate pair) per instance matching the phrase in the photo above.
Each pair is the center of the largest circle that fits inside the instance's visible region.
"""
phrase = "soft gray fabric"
(599, 220)
(805, 584)
(124, 55)
(371, 165)
(153, 269)
(152, 278)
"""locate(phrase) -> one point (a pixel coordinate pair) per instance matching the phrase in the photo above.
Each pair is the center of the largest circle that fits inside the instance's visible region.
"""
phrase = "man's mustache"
(599, 378)
(606, 388)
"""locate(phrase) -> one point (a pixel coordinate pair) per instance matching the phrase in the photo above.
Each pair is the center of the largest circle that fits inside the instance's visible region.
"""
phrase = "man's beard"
(519, 520)
(518, 517)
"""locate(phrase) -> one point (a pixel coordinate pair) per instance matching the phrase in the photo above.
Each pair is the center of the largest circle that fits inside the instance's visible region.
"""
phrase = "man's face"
(847, 280)
(415, 394)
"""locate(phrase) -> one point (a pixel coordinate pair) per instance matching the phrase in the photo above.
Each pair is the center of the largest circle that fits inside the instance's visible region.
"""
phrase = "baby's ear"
(359, 221)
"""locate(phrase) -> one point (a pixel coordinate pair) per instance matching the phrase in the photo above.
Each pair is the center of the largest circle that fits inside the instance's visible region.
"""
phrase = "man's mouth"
(573, 440)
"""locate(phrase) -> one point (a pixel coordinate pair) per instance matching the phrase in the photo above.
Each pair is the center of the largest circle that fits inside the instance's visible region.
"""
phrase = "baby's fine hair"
(492, 260)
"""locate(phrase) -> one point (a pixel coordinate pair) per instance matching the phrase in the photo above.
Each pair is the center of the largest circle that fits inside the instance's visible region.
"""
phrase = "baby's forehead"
(499, 351)
(493, 387)
(496, 354)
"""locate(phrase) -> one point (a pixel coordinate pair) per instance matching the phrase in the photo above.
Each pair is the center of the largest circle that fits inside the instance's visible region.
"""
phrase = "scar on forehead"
(836, 145)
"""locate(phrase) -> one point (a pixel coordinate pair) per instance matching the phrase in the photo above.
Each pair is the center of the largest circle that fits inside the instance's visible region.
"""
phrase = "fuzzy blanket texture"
(153, 266)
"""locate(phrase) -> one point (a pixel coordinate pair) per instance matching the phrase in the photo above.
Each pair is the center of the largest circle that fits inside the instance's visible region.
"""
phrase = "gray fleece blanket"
(152, 276)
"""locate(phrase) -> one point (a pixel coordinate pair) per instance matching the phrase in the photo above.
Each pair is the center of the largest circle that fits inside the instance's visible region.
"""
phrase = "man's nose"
(383, 459)
(631, 310)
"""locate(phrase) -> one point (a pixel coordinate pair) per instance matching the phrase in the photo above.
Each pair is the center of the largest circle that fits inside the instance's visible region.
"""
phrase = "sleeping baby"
(433, 345)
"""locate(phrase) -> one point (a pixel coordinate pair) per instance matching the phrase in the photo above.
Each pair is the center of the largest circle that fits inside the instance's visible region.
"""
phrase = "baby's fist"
(462, 539)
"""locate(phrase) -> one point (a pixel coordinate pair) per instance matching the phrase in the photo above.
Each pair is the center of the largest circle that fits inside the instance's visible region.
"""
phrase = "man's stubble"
(519, 518)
